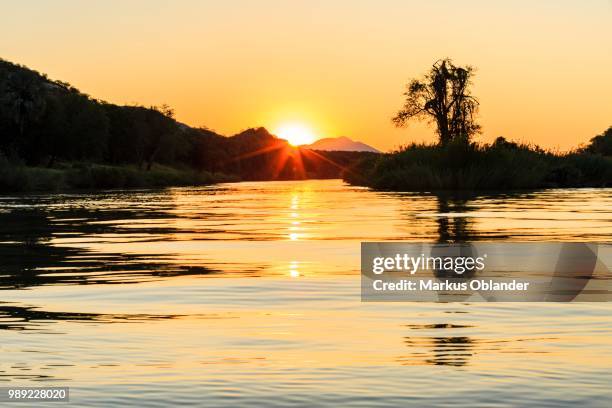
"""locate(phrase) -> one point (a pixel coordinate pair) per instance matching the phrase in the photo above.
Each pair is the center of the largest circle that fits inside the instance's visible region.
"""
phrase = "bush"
(470, 166)
(15, 177)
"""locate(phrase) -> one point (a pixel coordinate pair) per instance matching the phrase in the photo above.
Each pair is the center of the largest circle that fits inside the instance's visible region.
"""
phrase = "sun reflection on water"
(297, 210)
(293, 269)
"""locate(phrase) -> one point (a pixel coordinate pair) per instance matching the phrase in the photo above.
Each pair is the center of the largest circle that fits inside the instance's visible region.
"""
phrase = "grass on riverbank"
(20, 178)
(502, 165)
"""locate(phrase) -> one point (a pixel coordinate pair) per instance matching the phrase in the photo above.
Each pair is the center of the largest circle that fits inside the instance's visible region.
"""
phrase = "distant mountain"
(340, 144)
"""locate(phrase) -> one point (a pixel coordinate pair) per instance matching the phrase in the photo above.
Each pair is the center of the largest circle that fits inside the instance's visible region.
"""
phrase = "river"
(248, 294)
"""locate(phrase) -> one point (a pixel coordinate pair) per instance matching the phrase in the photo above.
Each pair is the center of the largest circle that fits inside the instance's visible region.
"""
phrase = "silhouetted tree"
(22, 101)
(601, 144)
(161, 127)
(442, 96)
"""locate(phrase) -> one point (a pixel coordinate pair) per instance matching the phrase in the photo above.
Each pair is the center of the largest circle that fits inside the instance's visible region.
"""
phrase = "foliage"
(601, 144)
(501, 165)
(16, 177)
(442, 96)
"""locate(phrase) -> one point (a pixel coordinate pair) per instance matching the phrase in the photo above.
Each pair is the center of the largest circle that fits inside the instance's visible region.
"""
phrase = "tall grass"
(499, 166)
(15, 177)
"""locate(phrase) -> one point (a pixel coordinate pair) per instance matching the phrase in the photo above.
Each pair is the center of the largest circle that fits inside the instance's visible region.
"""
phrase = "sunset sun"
(295, 133)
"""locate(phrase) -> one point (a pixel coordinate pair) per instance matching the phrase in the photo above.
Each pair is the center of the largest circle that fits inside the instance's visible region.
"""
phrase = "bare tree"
(442, 96)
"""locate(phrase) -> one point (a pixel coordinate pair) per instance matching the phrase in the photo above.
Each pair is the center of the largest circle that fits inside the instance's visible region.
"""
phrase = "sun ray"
(307, 152)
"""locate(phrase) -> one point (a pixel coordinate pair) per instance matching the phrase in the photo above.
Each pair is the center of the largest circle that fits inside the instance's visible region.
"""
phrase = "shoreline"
(209, 179)
(99, 177)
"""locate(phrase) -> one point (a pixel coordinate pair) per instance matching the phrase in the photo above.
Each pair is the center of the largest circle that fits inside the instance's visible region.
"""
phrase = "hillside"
(49, 124)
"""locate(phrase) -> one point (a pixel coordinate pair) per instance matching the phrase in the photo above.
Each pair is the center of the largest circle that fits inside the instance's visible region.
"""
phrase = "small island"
(443, 97)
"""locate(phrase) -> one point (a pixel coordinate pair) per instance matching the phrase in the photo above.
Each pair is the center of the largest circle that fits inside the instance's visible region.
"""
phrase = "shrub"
(15, 177)
(470, 166)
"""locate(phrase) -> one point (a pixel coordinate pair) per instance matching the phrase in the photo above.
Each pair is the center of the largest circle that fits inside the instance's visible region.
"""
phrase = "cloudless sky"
(544, 68)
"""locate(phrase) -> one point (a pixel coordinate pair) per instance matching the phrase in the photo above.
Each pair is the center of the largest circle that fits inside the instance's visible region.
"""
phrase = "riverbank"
(79, 176)
(501, 165)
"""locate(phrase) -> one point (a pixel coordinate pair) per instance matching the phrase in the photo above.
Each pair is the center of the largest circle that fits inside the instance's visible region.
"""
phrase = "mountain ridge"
(341, 143)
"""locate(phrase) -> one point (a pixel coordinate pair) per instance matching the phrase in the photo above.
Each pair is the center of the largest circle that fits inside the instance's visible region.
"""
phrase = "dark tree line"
(44, 121)
(601, 144)
(48, 123)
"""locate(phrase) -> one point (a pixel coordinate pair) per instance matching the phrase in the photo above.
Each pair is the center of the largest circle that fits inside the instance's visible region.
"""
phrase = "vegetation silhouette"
(443, 97)
(52, 136)
(601, 144)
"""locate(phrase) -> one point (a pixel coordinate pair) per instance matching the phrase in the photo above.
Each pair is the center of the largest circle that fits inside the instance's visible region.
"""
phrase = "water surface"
(248, 293)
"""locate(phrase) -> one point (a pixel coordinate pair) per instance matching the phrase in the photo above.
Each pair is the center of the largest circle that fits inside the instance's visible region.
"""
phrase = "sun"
(295, 133)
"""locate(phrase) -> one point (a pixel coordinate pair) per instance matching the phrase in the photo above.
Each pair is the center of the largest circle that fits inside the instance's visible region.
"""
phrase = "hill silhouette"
(49, 124)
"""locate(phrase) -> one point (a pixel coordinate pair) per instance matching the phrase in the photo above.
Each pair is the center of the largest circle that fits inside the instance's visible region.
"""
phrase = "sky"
(338, 68)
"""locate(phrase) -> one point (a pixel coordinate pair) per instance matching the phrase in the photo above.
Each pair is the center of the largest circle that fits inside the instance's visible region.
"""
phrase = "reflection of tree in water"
(454, 226)
(448, 351)
(26, 319)
(454, 351)
(451, 228)
(29, 258)
(29, 318)
(457, 351)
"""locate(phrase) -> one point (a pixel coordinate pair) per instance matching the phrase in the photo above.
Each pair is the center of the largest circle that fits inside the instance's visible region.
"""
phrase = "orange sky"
(338, 67)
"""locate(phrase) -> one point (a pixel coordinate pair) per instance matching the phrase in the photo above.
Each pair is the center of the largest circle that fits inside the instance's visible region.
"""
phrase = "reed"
(15, 177)
(501, 165)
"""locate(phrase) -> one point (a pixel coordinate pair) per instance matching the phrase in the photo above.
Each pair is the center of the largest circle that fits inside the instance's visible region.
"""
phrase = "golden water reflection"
(242, 294)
